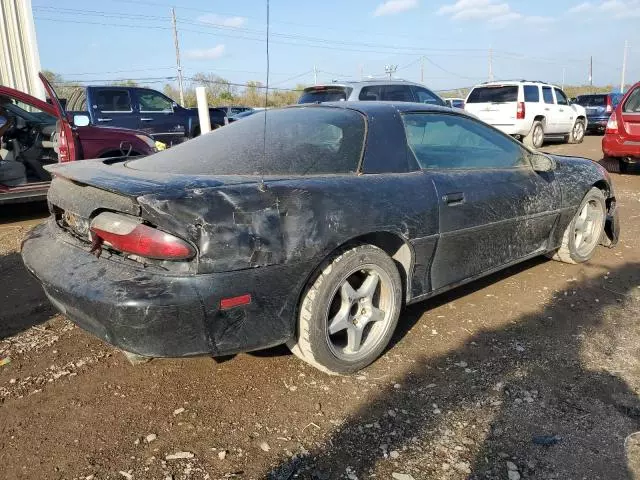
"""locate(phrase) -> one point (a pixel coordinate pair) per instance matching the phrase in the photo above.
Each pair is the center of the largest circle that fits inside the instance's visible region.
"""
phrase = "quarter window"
(547, 95)
(113, 101)
(370, 93)
(422, 95)
(441, 141)
(531, 93)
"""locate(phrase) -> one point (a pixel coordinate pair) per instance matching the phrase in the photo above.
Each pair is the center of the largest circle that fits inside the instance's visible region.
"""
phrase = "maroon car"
(621, 141)
(41, 134)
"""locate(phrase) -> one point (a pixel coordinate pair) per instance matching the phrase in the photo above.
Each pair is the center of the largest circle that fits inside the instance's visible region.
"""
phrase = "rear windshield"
(300, 141)
(632, 105)
(496, 94)
(319, 95)
(592, 100)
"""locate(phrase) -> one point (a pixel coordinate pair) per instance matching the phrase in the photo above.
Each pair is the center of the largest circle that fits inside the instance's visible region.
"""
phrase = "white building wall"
(19, 58)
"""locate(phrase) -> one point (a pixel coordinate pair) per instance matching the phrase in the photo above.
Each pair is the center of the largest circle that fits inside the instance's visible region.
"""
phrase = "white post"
(203, 110)
(624, 65)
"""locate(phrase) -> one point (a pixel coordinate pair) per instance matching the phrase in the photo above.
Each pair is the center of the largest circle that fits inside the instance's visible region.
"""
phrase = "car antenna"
(262, 187)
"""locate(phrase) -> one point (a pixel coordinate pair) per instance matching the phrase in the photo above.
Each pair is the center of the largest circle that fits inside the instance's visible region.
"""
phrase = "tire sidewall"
(537, 125)
(593, 194)
(573, 137)
(318, 322)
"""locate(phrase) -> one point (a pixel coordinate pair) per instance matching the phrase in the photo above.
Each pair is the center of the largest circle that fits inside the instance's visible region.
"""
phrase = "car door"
(113, 107)
(566, 114)
(630, 113)
(158, 117)
(493, 208)
(550, 111)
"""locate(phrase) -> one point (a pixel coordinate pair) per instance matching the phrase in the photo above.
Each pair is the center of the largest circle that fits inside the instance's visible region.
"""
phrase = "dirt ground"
(531, 373)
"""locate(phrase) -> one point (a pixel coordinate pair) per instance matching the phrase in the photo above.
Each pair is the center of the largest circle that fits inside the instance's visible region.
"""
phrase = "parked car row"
(104, 122)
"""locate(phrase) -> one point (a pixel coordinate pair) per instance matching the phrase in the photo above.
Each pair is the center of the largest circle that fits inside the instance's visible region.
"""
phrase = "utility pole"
(315, 75)
(361, 72)
(175, 40)
(591, 72)
(422, 69)
(563, 75)
(490, 64)
(624, 65)
(390, 70)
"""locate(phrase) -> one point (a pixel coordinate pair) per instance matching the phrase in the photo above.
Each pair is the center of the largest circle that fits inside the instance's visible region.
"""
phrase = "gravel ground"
(530, 373)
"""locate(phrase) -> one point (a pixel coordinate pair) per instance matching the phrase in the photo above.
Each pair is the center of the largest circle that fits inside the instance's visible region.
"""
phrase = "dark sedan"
(315, 238)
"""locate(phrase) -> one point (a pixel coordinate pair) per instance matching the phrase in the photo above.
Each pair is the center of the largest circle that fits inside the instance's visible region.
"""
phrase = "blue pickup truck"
(140, 109)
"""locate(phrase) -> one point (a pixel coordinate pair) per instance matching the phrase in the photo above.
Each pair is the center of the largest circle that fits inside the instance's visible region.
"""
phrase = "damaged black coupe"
(316, 236)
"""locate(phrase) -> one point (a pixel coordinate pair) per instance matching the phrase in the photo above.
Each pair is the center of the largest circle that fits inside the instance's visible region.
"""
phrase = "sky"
(445, 42)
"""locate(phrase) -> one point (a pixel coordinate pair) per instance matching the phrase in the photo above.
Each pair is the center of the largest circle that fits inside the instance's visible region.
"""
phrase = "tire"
(612, 164)
(535, 138)
(358, 295)
(584, 232)
(576, 135)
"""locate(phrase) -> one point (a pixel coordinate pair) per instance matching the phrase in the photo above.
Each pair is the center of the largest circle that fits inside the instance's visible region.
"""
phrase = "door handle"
(562, 109)
(453, 199)
(104, 119)
(146, 119)
(547, 109)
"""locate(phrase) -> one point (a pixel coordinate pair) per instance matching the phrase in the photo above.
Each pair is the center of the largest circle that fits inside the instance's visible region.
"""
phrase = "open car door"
(67, 148)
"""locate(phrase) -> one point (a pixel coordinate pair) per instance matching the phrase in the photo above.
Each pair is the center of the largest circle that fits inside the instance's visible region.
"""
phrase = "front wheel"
(584, 232)
(349, 312)
(577, 132)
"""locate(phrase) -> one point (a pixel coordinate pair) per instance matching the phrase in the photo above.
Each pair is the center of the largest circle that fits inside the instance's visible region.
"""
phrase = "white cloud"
(391, 7)
(581, 7)
(495, 12)
(206, 53)
(614, 8)
(214, 19)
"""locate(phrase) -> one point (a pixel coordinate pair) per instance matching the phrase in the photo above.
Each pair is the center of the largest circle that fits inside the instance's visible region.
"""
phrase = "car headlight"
(151, 143)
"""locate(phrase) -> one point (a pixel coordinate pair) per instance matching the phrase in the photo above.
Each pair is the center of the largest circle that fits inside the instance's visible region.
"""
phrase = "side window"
(113, 101)
(632, 105)
(531, 93)
(422, 95)
(547, 95)
(561, 97)
(397, 93)
(441, 141)
(151, 101)
(370, 93)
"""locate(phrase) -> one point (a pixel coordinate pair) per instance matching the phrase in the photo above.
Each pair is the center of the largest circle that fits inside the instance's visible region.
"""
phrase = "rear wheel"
(583, 234)
(612, 164)
(349, 312)
(577, 132)
(535, 138)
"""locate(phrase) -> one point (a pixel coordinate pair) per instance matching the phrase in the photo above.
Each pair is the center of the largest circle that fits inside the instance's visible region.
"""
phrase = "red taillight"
(63, 146)
(129, 235)
(521, 111)
(609, 108)
(612, 124)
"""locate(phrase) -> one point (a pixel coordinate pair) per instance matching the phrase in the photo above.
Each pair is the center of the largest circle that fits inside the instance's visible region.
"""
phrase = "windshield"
(300, 141)
(494, 94)
(323, 94)
(29, 112)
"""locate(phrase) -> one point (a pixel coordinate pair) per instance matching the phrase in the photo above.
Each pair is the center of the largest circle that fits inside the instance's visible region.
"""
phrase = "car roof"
(515, 82)
(375, 107)
(364, 83)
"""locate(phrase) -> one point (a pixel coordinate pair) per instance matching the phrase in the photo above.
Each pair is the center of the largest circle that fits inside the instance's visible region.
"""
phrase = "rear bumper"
(35, 192)
(597, 123)
(159, 315)
(619, 146)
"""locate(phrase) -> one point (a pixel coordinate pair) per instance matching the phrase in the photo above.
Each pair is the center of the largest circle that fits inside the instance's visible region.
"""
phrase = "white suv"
(530, 111)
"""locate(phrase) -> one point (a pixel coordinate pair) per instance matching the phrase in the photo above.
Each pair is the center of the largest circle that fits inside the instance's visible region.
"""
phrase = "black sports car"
(315, 237)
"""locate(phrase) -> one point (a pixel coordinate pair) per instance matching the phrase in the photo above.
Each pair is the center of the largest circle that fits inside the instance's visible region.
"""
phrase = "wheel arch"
(540, 118)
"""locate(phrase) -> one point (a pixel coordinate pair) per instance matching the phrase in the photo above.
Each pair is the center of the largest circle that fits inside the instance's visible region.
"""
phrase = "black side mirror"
(542, 163)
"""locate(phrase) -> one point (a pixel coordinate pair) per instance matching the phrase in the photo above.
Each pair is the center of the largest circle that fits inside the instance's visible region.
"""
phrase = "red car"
(41, 134)
(621, 141)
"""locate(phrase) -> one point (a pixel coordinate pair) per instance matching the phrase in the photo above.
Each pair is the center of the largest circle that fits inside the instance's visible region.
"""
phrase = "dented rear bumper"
(155, 314)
